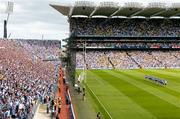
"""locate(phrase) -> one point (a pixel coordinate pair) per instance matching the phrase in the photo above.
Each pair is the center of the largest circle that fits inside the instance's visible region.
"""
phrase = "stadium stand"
(125, 27)
(126, 36)
(129, 59)
(26, 78)
(46, 50)
(126, 45)
(151, 43)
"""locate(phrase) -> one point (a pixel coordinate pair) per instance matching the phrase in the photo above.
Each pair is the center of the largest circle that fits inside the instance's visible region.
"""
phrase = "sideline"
(99, 102)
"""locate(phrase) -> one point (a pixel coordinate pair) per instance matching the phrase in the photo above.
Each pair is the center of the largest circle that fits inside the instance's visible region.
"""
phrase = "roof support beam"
(71, 10)
(159, 13)
(136, 13)
(68, 10)
(178, 14)
(93, 12)
(115, 12)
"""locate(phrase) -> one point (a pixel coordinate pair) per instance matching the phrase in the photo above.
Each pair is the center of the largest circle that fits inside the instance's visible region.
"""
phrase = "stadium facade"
(110, 35)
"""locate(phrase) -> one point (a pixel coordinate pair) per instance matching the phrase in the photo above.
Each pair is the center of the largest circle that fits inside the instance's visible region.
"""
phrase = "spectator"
(24, 80)
(128, 59)
(125, 27)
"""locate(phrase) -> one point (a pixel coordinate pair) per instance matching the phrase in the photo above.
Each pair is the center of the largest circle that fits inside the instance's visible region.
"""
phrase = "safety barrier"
(72, 110)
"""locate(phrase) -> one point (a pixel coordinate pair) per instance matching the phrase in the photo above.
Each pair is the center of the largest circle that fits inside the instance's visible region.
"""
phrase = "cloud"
(32, 18)
(2, 7)
(36, 30)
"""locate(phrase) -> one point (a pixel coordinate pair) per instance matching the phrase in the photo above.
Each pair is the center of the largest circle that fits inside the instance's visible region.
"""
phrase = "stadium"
(120, 61)
(113, 47)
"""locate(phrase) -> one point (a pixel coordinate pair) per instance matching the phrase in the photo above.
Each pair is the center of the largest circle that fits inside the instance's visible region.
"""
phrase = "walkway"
(41, 112)
(85, 109)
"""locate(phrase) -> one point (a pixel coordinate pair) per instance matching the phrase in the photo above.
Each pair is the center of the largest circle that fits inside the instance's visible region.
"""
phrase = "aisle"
(41, 113)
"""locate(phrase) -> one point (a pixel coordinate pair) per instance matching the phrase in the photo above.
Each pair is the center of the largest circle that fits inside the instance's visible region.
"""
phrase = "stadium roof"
(114, 9)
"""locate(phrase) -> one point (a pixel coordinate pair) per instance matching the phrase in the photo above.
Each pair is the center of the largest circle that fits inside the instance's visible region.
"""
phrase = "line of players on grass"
(156, 80)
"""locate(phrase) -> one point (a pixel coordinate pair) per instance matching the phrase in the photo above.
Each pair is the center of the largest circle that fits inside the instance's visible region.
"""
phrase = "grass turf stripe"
(162, 95)
(139, 76)
(99, 102)
(153, 104)
(124, 107)
(168, 75)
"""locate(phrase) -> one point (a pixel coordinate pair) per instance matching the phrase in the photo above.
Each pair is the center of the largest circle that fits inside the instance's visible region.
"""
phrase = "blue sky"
(34, 18)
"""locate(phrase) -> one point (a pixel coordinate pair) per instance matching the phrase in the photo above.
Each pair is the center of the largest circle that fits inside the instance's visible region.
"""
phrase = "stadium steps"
(133, 60)
(150, 53)
(157, 59)
(176, 57)
(41, 112)
(109, 60)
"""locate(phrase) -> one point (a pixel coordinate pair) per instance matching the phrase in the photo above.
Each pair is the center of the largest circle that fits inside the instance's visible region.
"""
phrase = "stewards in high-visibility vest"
(55, 104)
(59, 105)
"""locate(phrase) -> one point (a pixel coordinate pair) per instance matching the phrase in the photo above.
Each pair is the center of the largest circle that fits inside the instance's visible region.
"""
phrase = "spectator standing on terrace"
(24, 80)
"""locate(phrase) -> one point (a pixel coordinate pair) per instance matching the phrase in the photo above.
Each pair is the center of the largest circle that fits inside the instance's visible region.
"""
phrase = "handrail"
(72, 107)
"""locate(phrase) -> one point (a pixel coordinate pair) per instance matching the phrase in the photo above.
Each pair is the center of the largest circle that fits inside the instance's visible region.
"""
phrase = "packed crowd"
(128, 59)
(128, 45)
(157, 59)
(125, 27)
(46, 49)
(23, 80)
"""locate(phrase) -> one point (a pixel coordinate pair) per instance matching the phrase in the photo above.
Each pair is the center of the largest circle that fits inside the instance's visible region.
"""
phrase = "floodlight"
(9, 8)
(8, 11)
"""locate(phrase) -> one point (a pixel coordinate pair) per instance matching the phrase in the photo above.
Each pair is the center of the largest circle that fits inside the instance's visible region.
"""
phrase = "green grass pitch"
(126, 94)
